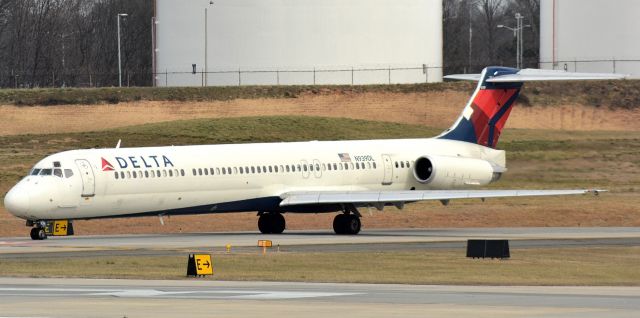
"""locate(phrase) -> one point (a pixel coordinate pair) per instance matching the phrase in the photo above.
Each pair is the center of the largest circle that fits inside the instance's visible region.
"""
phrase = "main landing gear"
(347, 222)
(38, 232)
(271, 223)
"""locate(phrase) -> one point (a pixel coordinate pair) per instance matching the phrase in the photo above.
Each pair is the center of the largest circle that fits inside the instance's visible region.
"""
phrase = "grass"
(614, 94)
(536, 266)
(107, 95)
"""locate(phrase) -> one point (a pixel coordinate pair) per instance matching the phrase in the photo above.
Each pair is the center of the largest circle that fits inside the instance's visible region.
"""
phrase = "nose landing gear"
(38, 233)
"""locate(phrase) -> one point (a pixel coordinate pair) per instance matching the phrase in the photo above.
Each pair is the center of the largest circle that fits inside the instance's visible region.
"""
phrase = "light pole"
(119, 54)
(206, 45)
(517, 33)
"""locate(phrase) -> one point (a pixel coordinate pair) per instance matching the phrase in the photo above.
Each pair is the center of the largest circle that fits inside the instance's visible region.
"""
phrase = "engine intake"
(447, 171)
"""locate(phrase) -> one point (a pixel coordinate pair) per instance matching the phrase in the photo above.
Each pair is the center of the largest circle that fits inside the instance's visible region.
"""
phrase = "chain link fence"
(301, 76)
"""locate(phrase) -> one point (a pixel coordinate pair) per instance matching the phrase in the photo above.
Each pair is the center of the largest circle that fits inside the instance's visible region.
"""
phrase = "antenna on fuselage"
(118, 145)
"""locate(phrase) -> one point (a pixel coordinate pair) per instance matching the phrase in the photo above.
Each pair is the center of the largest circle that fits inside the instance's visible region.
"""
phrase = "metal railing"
(623, 66)
(306, 76)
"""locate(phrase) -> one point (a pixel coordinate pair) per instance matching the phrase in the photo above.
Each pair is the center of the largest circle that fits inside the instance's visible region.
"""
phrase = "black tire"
(352, 224)
(264, 223)
(339, 224)
(278, 223)
(42, 235)
(34, 233)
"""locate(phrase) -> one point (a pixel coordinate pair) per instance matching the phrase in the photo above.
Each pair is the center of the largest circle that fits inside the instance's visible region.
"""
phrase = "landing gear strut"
(347, 222)
(38, 233)
(271, 223)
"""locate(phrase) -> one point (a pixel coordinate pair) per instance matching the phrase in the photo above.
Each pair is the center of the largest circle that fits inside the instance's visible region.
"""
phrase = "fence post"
(389, 74)
(166, 77)
(575, 65)
(278, 77)
(614, 65)
(239, 77)
(426, 74)
(352, 76)
(314, 75)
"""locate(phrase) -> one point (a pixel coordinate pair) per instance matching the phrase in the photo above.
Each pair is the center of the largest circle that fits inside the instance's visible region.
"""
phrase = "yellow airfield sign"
(204, 265)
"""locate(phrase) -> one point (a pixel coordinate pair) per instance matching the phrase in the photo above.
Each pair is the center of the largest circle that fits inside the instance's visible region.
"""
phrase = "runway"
(25, 297)
(315, 241)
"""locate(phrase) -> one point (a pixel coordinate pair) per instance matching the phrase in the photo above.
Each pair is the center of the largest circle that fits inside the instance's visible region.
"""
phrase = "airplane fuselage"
(238, 177)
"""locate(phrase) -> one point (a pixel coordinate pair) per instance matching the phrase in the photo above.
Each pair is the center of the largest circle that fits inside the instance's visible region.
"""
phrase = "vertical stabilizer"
(486, 113)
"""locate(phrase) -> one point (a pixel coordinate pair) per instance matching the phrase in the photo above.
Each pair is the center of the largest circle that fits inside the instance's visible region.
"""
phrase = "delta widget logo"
(106, 166)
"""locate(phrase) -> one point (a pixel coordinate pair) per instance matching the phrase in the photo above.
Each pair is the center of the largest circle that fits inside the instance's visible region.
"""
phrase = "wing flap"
(338, 197)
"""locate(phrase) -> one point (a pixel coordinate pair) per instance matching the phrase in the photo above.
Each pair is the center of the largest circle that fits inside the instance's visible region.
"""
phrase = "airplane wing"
(378, 198)
(529, 75)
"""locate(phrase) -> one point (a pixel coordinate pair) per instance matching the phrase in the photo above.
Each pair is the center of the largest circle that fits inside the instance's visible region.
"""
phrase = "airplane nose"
(17, 202)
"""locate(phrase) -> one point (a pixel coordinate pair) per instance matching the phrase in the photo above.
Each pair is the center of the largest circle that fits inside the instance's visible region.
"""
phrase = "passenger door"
(388, 170)
(88, 178)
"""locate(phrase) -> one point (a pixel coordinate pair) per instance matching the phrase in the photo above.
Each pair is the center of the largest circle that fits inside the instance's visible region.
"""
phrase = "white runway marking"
(154, 293)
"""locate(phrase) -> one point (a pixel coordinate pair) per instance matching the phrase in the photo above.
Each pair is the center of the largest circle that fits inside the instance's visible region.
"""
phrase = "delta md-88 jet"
(276, 178)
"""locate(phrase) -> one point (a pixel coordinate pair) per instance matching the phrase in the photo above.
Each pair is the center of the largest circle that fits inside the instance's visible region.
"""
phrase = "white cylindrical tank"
(298, 42)
(590, 35)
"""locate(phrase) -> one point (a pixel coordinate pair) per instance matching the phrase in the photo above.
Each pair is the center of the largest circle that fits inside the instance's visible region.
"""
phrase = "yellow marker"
(60, 227)
(264, 243)
(228, 248)
(204, 265)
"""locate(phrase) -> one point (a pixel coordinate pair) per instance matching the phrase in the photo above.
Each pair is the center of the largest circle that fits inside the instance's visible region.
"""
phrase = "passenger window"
(135, 175)
(128, 174)
(329, 166)
(182, 172)
(170, 173)
(271, 169)
(211, 171)
(335, 166)
(206, 172)
(374, 165)
(253, 169)
(224, 171)
(241, 170)
(310, 167)
(407, 164)
(397, 164)
(304, 167)
(317, 167)
(193, 171)
(199, 171)
(69, 173)
(275, 168)
(117, 175)
(259, 169)
(146, 174)
(346, 166)
(287, 167)
(401, 164)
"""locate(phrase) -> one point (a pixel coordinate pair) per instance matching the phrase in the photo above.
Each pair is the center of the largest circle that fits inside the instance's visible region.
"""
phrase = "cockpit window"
(35, 172)
(57, 172)
(46, 172)
(56, 164)
(68, 173)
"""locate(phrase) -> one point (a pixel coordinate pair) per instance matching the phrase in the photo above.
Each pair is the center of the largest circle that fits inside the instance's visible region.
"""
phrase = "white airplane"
(275, 178)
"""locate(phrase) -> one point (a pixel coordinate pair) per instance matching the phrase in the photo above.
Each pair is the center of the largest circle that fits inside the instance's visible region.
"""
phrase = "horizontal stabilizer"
(529, 75)
(372, 197)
